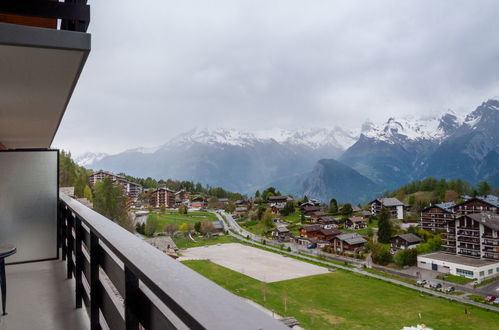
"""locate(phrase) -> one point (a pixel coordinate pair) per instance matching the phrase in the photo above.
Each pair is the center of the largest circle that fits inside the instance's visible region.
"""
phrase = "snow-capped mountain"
(89, 158)
(310, 138)
(406, 129)
(389, 154)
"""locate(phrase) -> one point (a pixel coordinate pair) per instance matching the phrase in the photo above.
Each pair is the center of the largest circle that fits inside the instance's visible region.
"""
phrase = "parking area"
(259, 264)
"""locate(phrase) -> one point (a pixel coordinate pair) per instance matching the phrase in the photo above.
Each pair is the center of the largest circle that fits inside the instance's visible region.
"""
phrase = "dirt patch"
(332, 319)
(261, 265)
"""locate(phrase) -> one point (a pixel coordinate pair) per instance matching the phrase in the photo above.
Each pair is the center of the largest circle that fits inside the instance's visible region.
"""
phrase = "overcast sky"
(159, 68)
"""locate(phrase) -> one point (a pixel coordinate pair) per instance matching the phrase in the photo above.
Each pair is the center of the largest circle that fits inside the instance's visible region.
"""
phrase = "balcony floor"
(40, 297)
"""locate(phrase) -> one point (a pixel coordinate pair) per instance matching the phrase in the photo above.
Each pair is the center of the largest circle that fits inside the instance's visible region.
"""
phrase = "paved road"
(241, 234)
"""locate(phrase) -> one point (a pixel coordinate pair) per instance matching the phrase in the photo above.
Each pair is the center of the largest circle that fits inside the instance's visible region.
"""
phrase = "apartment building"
(395, 206)
(162, 197)
(470, 229)
(131, 189)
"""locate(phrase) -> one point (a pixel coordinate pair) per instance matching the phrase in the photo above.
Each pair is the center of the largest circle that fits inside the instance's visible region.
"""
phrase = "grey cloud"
(158, 68)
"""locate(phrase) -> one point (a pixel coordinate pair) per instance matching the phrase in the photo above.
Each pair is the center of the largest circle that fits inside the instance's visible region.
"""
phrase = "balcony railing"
(490, 237)
(491, 243)
(142, 285)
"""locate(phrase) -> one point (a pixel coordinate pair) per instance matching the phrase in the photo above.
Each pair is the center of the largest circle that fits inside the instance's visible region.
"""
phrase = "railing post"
(64, 232)
(70, 243)
(131, 298)
(78, 262)
(95, 251)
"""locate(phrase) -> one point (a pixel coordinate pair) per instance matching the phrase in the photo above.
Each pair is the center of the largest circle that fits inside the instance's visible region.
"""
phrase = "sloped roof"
(332, 231)
(391, 201)
(489, 199)
(271, 198)
(447, 207)
(351, 238)
(312, 228)
(489, 220)
(409, 238)
(356, 219)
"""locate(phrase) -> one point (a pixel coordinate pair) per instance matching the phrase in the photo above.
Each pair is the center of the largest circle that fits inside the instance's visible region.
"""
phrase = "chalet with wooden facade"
(404, 241)
(351, 242)
(395, 206)
(281, 233)
(240, 210)
(310, 231)
(355, 223)
(162, 197)
(198, 202)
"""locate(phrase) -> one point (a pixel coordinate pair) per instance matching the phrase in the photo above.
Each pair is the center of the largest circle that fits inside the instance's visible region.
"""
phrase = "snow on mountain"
(89, 158)
(311, 138)
(397, 130)
(476, 116)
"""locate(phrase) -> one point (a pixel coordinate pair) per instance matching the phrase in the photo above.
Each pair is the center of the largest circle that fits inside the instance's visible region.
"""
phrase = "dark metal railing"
(74, 14)
(123, 281)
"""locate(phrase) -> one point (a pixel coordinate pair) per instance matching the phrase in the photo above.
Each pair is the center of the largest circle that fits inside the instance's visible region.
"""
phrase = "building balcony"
(467, 239)
(468, 233)
(120, 281)
(490, 243)
(491, 256)
(488, 236)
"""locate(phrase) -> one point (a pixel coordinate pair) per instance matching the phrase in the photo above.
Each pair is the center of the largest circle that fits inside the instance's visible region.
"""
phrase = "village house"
(310, 231)
(310, 202)
(198, 202)
(404, 241)
(276, 209)
(351, 242)
(327, 234)
(328, 220)
(162, 197)
(316, 215)
(355, 223)
(281, 233)
(395, 206)
(241, 210)
(278, 200)
(308, 210)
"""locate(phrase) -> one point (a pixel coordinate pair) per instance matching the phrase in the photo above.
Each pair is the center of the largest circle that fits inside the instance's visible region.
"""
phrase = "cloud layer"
(158, 68)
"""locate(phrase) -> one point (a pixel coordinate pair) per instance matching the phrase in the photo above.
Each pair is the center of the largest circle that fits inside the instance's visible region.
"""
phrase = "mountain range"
(323, 163)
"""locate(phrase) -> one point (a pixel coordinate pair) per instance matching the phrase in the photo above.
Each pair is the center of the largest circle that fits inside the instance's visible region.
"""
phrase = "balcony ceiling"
(39, 69)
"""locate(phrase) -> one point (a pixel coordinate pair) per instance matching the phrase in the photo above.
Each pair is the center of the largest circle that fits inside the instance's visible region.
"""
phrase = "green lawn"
(344, 300)
(190, 218)
(292, 218)
(184, 243)
(255, 227)
(455, 279)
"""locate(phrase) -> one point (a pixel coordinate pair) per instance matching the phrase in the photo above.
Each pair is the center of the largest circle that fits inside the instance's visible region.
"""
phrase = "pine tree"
(333, 206)
(384, 226)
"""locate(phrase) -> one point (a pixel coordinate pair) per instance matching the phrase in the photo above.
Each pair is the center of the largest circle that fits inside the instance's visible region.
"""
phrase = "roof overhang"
(39, 69)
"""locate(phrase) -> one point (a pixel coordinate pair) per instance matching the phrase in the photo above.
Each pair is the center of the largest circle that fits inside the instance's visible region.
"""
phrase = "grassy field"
(455, 279)
(190, 218)
(344, 300)
(255, 227)
(184, 243)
